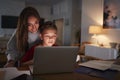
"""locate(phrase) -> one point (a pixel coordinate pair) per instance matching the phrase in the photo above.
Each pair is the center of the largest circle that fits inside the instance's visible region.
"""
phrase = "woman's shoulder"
(13, 37)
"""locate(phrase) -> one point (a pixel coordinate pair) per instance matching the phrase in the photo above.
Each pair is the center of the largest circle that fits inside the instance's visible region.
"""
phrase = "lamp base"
(94, 39)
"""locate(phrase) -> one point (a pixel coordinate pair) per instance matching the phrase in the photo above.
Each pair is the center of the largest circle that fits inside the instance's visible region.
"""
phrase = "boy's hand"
(30, 62)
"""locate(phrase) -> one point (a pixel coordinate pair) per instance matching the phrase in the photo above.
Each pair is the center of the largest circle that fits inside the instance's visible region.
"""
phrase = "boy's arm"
(30, 62)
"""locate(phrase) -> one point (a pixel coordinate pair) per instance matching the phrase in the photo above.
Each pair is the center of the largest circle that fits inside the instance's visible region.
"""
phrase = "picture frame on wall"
(111, 19)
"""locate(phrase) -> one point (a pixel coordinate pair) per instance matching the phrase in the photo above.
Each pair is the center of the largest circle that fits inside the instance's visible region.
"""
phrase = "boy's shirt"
(30, 53)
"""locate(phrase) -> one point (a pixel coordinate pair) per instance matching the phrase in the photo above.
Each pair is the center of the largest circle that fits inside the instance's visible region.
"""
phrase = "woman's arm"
(9, 63)
(11, 52)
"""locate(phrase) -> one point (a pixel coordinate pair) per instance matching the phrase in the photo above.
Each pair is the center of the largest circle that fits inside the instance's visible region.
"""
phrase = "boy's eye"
(50, 36)
(46, 36)
(54, 36)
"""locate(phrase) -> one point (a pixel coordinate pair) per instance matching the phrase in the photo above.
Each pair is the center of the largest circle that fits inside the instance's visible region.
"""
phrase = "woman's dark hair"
(48, 25)
(22, 27)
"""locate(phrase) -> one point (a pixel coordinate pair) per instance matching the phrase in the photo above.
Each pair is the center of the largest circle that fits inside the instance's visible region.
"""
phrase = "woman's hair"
(22, 27)
(48, 25)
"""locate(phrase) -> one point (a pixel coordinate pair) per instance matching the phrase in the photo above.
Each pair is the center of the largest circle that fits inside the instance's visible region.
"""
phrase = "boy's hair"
(48, 25)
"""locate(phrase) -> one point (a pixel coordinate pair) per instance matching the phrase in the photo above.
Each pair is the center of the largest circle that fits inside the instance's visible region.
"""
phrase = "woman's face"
(33, 24)
(49, 37)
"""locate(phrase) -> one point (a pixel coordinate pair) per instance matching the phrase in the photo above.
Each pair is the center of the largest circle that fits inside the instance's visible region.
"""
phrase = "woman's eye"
(29, 25)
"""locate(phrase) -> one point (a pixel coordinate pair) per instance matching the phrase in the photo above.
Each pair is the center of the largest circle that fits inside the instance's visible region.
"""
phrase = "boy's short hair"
(48, 25)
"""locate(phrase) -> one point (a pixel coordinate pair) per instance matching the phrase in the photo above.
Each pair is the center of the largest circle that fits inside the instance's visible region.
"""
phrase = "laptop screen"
(54, 59)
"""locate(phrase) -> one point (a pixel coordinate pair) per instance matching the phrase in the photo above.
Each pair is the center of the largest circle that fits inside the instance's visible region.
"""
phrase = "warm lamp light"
(95, 30)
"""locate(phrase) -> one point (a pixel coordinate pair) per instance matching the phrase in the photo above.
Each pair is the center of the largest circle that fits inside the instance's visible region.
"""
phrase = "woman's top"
(13, 53)
(33, 38)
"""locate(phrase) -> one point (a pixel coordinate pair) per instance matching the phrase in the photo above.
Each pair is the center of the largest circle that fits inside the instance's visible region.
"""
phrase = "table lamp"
(95, 30)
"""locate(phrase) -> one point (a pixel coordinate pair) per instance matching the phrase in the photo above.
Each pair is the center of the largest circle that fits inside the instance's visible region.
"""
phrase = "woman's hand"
(10, 63)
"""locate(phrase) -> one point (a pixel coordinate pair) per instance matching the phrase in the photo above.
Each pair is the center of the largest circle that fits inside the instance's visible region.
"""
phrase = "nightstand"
(99, 52)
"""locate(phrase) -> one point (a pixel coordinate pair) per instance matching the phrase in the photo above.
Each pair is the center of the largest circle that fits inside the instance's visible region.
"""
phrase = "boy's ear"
(41, 36)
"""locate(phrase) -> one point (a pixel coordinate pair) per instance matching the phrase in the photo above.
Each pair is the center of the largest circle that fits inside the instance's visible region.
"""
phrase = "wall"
(64, 10)
(70, 11)
(44, 11)
(76, 21)
(10, 7)
(93, 15)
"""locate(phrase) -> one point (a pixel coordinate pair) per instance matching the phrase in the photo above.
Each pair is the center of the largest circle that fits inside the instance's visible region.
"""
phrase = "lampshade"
(95, 29)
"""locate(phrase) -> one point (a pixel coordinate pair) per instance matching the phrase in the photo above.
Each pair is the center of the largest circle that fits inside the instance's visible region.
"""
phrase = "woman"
(25, 36)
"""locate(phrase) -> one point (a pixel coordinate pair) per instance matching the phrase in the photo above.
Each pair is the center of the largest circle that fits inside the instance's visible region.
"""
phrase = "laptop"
(58, 59)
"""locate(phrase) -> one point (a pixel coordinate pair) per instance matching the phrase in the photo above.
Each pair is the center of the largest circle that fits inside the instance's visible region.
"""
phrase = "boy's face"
(49, 37)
